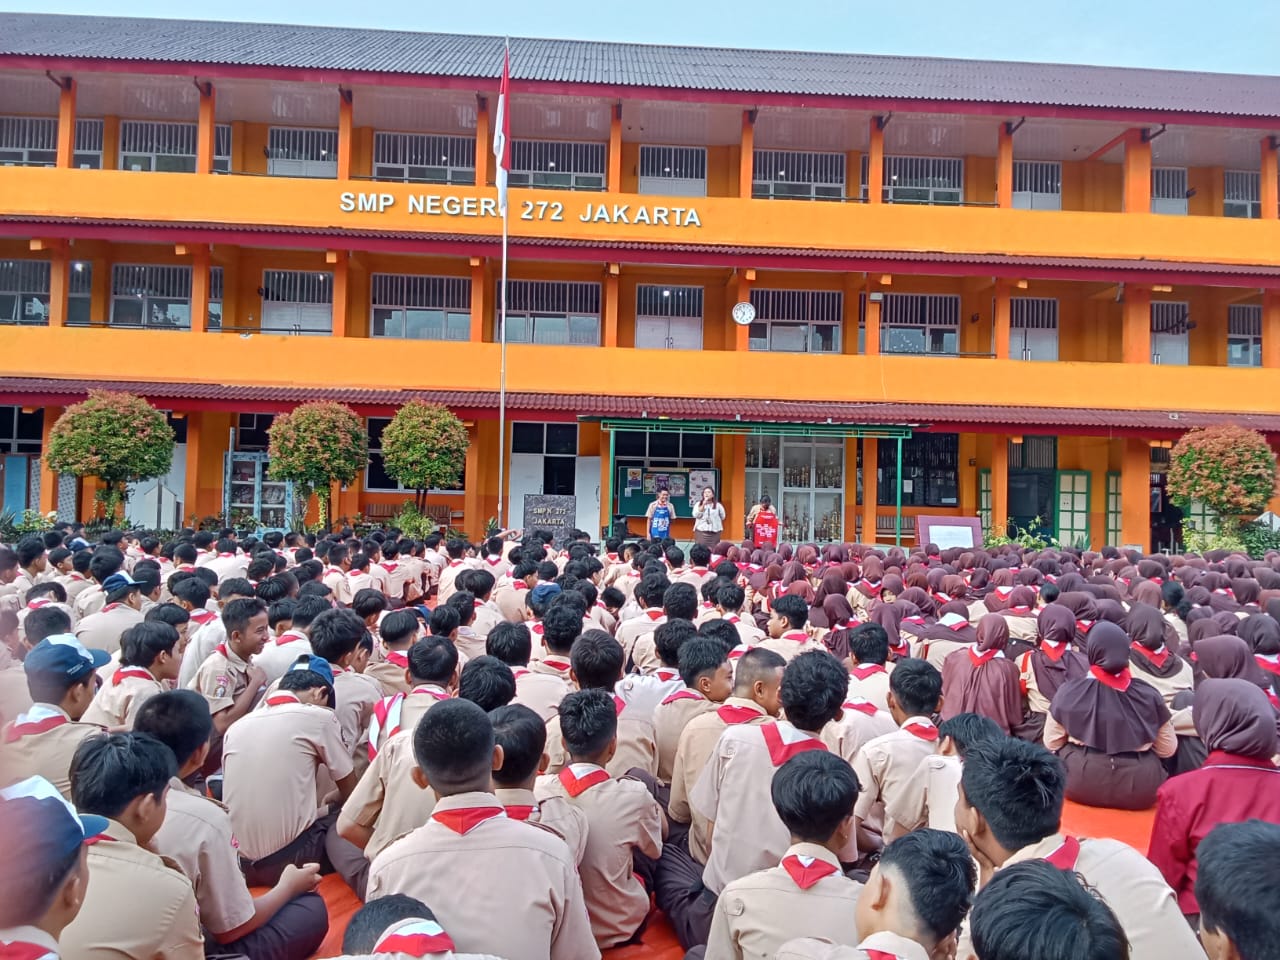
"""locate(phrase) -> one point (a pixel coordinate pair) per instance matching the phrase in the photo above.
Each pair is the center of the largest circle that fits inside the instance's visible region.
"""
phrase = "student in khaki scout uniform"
(228, 679)
(860, 723)
(540, 692)
(335, 636)
(625, 824)
(1009, 810)
(928, 799)
(643, 692)
(43, 740)
(206, 631)
(399, 630)
(679, 602)
(869, 665)
(335, 574)
(386, 803)
(807, 894)
(707, 682)
(15, 697)
(123, 609)
(1236, 861)
(73, 574)
(432, 668)
(885, 765)
(512, 596)
(288, 922)
(105, 562)
(138, 905)
(911, 906)
(729, 600)
(523, 739)
(787, 634)
(32, 563)
(649, 592)
(399, 926)
(459, 560)
(480, 583)
(282, 652)
(554, 634)
(149, 660)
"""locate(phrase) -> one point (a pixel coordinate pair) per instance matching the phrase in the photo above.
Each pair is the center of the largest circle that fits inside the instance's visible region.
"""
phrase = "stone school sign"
(558, 514)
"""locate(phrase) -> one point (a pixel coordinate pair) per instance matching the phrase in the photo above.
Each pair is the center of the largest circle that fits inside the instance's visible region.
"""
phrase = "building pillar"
(477, 299)
(609, 314)
(1001, 321)
(1135, 334)
(870, 488)
(747, 155)
(100, 291)
(875, 162)
(742, 281)
(1004, 167)
(200, 257)
(59, 285)
(472, 505)
(1135, 494)
(1269, 180)
(206, 129)
(615, 149)
(48, 478)
(346, 123)
(999, 484)
(1137, 172)
(1271, 329)
(871, 333)
(66, 124)
(484, 149)
(608, 484)
(191, 485)
(733, 484)
(341, 264)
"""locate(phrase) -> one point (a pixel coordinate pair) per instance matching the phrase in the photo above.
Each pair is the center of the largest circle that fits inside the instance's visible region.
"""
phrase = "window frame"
(1248, 182)
(930, 304)
(810, 310)
(451, 290)
(374, 435)
(314, 167)
(656, 461)
(39, 135)
(13, 438)
(549, 291)
(154, 277)
(412, 146)
(671, 164)
(890, 187)
(1037, 174)
(823, 175)
(30, 280)
(538, 165)
(1244, 325)
(916, 451)
(179, 130)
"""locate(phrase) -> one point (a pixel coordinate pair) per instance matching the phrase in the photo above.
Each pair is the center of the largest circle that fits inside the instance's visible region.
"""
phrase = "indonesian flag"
(502, 132)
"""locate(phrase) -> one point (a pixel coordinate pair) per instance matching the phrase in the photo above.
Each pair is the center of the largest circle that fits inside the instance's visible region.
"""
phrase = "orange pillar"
(747, 156)
(472, 504)
(484, 149)
(66, 124)
(1269, 180)
(615, 150)
(200, 289)
(191, 486)
(1137, 172)
(1136, 333)
(59, 284)
(870, 488)
(1135, 494)
(206, 129)
(741, 294)
(346, 114)
(1002, 321)
(1004, 168)
(1271, 329)
(871, 334)
(48, 478)
(999, 484)
(477, 300)
(341, 275)
(875, 162)
(609, 320)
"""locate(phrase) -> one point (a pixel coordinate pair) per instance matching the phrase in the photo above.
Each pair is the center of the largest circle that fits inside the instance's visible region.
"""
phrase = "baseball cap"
(63, 654)
(316, 665)
(117, 581)
(544, 592)
(46, 828)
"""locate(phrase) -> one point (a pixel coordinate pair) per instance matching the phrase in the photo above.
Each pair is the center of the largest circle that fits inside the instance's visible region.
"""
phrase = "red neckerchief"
(126, 673)
(619, 704)
(1065, 857)
(666, 674)
(280, 698)
(289, 637)
(901, 651)
(421, 938)
(1116, 681)
(879, 954)
(556, 663)
(732, 714)
(21, 950)
(17, 731)
(519, 672)
(493, 561)
(225, 555)
(1269, 665)
(38, 603)
(806, 871)
(1054, 651)
(1084, 625)
(110, 606)
(978, 659)
(1157, 657)
(869, 670)
(520, 811)
(861, 705)
(437, 695)
(732, 618)
(655, 615)
(781, 749)
(799, 636)
(203, 616)
(869, 588)
(683, 695)
(922, 729)
(1021, 611)
(576, 786)
(399, 658)
(466, 819)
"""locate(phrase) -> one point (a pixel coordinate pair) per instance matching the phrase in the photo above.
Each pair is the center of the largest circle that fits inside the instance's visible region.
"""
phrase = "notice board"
(637, 487)
(544, 511)
(949, 532)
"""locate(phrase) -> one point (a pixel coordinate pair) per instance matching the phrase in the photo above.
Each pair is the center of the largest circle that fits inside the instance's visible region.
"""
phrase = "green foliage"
(315, 445)
(1258, 538)
(424, 447)
(1229, 469)
(1031, 537)
(33, 521)
(412, 521)
(1198, 541)
(116, 437)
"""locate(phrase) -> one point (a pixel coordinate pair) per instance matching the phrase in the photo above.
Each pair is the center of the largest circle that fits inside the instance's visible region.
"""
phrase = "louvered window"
(1037, 185)
(1242, 194)
(558, 313)
(1244, 335)
(170, 147)
(302, 152)
(297, 302)
(557, 165)
(24, 292)
(159, 297)
(1034, 328)
(33, 142)
(420, 308)
(1169, 190)
(797, 321)
(936, 180)
(673, 171)
(1170, 324)
(920, 323)
(797, 175)
(424, 158)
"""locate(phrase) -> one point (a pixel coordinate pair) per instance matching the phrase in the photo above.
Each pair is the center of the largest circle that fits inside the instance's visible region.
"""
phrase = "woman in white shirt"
(708, 519)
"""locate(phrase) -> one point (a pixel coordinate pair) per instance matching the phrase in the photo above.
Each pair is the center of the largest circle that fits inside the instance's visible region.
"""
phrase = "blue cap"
(544, 592)
(316, 665)
(116, 582)
(41, 828)
(66, 656)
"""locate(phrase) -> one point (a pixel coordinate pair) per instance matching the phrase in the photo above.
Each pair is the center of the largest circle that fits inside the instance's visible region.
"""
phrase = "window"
(1037, 185)
(1169, 327)
(639, 448)
(33, 142)
(809, 475)
(557, 165)
(1242, 194)
(1034, 323)
(252, 432)
(302, 152)
(376, 478)
(673, 171)
(21, 432)
(796, 175)
(420, 308)
(159, 297)
(1169, 190)
(920, 323)
(930, 471)
(424, 158)
(797, 321)
(24, 292)
(556, 446)
(170, 147)
(557, 313)
(299, 302)
(919, 179)
(668, 317)
(1244, 336)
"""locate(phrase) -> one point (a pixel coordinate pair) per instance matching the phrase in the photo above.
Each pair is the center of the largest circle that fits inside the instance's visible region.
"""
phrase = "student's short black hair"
(179, 719)
(306, 609)
(939, 874)
(444, 620)
(433, 660)
(1017, 786)
(1034, 911)
(29, 894)
(235, 587)
(510, 642)
(561, 626)
(597, 660)
(675, 557)
(105, 562)
(463, 602)
(1049, 592)
(376, 917)
(613, 598)
(190, 589)
(699, 555)
(29, 549)
(869, 643)
(453, 744)
(398, 626)
(588, 591)
(169, 613)
(45, 622)
(680, 601)
(50, 588)
(523, 738)
(792, 609)
(588, 721)
(143, 642)
(487, 682)
(260, 567)
(814, 687)
(669, 637)
(297, 679)
(917, 684)
(966, 729)
(481, 584)
(722, 632)
(731, 597)
(758, 663)
(1236, 867)
(279, 611)
(700, 656)
(109, 772)
(813, 793)
(652, 588)
(369, 602)
(336, 633)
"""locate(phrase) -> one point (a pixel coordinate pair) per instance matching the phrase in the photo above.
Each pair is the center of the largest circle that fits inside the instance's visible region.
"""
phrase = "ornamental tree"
(116, 437)
(316, 444)
(1231, 470)
(424, 447)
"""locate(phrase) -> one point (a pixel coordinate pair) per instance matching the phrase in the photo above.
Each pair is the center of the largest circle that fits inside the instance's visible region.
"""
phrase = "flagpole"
(502, 157)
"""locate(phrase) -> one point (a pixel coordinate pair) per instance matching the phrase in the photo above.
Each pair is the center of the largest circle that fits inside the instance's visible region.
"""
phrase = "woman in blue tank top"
(659, 515)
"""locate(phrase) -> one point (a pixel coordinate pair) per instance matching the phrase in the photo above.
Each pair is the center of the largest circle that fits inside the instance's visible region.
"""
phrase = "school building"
(966, 287)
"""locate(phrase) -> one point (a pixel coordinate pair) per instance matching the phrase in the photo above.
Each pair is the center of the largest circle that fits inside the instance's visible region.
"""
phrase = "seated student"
(150, 655)
(487, 615)
(911, 907)
(928, 799)
(122, 610)
(561, 625)
(1152, 659)
(463, 603)
(443, 621)
(650, 593)
(228, 679)
(1010, 809)
(541, 692)
(433, 671)
(624, 821)
(523, 738)
(1035, 911)
(886, 764)
(137, 904)
(1237, 861)
(1051, 664)
(398, 631)
(732, 792)
(869, 666)
(512, 596)
(282, 652)
(43, 872)
(707, 681)
(192, 594)
(271, 759)
(1237, 782)
(335, 637)
(288, 922)
(982, 679)
(487, 682)
(105, 561)
(597, 665)
(43, 740)
(729, 600)
(643, 692)
(480, 856)
(807, 894)
(400, 926)
(787, 635)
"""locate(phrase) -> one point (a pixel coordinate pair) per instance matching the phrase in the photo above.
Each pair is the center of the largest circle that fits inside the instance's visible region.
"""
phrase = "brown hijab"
(1150, 651)
(1148, 593)
(839, 616)
(982, 680)
(1235, 717)
(952, 624)
(1053, 661)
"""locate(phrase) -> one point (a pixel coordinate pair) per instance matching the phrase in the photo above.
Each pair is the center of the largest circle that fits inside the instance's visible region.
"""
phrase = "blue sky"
(1236, 36)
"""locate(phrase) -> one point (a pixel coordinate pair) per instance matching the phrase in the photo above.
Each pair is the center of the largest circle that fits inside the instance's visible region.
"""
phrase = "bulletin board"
(637, 488)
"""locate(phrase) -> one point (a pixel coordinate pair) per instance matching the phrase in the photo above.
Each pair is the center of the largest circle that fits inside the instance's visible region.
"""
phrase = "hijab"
(927, 606)
(1147, 592)
(839, 616)
(1054, 662)
(1022, 601)
(889, 616)
(952, 624)
(1225, 657)
(1262, 634)
(1234, 716)
(1150, 652)
(1246, 590)
(981, 679)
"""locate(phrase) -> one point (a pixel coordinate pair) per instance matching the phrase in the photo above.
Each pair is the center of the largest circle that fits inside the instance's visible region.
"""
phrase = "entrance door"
(525, 478)
(1031, 500)
(157, 503)
(1072, 521)
(587, 490)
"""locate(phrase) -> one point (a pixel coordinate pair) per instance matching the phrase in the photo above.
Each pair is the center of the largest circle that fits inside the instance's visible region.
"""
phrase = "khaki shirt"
(281, 653)
(488, 616)
(623, 818)
(336, 580)
(90, 600)
(15, 697)
(636, 747)
(669, 720)
(885, 765)
(389, 675)
(873, 685)
(540, 692)
(525, 868)
(270, 759)
(791, 644)
(759, 913)
(748, 632)
(555, 812)
(137, 905)
(102, 630)
(47, 754)
(631, 631)
(511, 600)
(75, 584)
(221, 678)
(445, 588)
(846, 736)
(811, 948)
(119, 699)
(196, 834)
(386, 798)
(202, 639)
(355, 694)
(928, 797)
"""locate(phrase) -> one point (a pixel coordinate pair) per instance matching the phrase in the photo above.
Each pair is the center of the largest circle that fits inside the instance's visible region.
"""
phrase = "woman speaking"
(708, 519)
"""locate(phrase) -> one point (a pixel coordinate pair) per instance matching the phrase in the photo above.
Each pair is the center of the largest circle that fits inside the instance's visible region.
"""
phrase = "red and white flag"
(502, 132)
